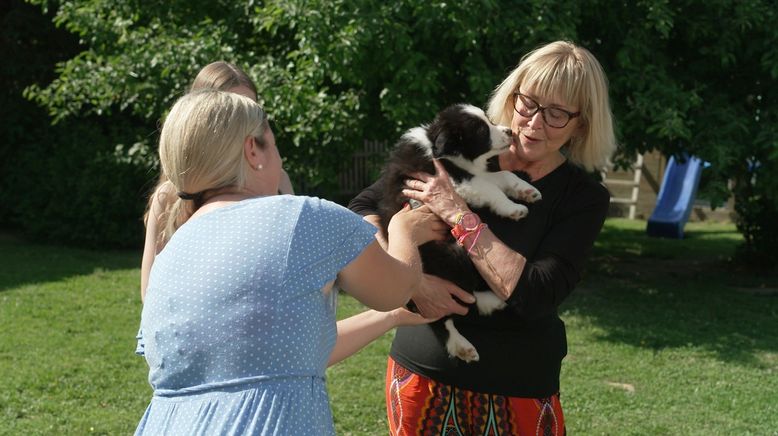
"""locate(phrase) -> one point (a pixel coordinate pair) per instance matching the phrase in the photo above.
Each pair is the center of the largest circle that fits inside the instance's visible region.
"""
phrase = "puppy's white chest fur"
(492, 190)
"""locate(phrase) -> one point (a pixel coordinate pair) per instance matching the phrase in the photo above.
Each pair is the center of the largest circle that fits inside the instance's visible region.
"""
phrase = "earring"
(259, 167)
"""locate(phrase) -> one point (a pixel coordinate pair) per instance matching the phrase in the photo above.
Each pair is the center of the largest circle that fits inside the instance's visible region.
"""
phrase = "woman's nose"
(536, 121)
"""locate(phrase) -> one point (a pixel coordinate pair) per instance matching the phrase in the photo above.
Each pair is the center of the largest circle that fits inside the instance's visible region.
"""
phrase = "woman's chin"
(522, 149)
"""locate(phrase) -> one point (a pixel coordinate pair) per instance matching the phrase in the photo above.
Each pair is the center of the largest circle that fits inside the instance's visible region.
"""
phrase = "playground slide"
(676, 198)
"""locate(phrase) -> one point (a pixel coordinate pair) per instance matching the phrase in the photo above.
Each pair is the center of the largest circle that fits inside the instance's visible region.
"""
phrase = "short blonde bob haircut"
(565, 71)
(201, 145)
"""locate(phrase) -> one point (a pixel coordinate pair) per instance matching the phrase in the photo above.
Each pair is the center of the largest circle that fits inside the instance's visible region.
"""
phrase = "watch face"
(470, 221)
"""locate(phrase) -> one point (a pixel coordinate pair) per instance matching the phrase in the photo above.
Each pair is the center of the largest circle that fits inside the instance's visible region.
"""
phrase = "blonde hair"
(564, 70)
(201, 147)
(223, 76)
(220, 75)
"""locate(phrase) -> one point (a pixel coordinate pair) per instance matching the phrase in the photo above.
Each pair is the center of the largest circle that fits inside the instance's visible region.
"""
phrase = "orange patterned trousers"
(416, 405)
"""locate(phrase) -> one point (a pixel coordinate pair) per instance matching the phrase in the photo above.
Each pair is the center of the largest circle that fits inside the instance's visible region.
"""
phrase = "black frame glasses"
(529, 107)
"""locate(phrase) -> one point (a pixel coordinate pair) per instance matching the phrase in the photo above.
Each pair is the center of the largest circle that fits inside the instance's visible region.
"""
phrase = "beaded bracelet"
(477, 234)
(477, 231)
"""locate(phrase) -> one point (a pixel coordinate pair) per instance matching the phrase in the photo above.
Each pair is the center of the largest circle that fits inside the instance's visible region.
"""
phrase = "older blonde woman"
(556, 103)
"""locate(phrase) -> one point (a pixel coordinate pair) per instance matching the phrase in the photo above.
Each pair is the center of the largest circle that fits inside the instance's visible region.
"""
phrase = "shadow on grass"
(661, 293)
(25, 263)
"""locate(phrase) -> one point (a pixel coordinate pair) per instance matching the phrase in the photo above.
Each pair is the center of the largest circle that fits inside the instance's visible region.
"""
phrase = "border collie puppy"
(463, 139)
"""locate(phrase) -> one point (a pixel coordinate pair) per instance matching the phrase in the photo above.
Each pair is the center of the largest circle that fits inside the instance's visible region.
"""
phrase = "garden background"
(86, 83)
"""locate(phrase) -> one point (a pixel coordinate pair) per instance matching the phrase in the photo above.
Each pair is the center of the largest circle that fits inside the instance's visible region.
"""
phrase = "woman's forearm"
(406, 251)
(499, 265)
(356, 332)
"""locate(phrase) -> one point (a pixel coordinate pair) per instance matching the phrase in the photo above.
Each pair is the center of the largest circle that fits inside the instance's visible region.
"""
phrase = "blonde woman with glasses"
(556, 103)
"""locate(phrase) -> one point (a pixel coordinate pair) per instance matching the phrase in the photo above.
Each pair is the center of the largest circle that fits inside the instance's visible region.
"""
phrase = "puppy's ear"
(440, 142)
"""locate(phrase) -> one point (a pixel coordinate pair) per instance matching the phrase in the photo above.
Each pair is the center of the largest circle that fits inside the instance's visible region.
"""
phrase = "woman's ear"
(252, 153)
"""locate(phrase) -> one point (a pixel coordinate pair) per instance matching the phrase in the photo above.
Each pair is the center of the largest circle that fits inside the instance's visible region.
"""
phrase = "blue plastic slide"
(676, 198)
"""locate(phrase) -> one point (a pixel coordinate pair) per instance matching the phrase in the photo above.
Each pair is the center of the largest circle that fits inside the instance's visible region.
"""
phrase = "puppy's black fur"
(454, 132)
(463, 139)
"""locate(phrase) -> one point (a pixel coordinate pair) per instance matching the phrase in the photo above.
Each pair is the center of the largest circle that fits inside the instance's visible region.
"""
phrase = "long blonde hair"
(201, 147)
(565, 70)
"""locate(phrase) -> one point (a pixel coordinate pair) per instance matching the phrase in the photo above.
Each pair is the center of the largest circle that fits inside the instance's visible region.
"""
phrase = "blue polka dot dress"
(235, 329)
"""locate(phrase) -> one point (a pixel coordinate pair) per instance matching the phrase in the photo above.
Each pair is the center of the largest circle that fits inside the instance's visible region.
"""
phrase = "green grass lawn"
(665, 337)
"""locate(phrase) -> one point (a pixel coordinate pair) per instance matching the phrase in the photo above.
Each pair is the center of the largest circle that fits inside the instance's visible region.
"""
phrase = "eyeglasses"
(553, 116)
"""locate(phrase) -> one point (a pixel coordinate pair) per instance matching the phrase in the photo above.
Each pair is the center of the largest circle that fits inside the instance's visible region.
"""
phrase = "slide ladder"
(632, 183)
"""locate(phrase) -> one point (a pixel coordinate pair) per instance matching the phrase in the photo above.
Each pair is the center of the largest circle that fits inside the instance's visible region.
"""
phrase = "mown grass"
(694, 337)
(66, 350)
(665, 337)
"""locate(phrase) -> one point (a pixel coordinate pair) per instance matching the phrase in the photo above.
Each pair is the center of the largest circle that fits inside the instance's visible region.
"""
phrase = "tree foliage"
(330, 72)
(687, 76)
(700, 78)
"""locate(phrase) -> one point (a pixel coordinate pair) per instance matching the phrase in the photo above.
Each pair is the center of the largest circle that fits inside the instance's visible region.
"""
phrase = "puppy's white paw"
(461, 348)
(457, 345)
(517, 212)
(487, 302)
(530, 195)
(524, 191)
(520, 189)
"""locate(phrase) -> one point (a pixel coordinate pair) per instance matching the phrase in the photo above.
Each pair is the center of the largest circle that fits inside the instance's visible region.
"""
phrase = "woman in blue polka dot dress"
(238, 322)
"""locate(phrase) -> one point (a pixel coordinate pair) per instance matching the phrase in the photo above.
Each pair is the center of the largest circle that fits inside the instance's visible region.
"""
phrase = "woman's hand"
(436, 192)
(434, 297)
(421, 224)
(402, 317)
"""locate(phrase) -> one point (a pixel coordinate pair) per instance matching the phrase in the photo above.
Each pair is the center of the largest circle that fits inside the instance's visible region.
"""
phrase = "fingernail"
(405, 205)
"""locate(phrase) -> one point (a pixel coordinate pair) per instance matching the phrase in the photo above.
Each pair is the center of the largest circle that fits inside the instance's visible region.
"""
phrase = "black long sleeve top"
(521, 347)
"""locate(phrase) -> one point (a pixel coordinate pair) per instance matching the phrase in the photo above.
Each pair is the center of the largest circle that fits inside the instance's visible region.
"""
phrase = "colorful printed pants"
(416, 405)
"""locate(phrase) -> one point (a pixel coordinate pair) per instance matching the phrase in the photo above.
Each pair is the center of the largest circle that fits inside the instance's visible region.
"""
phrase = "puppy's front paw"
(521, 190)
(530, 195)
(517, 212)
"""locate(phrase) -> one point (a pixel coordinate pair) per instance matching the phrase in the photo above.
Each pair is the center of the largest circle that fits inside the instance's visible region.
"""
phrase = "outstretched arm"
(356, 332)
(378, 274)
(434, 297)
(385, 280)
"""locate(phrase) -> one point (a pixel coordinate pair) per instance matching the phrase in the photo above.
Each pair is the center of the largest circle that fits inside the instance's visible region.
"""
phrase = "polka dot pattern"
(235, 328)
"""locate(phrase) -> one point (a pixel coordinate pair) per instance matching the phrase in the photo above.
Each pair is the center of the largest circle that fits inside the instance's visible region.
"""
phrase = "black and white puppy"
(463, 139)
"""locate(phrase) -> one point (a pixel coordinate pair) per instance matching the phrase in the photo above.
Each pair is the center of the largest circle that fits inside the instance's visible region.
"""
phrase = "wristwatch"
(466, 223)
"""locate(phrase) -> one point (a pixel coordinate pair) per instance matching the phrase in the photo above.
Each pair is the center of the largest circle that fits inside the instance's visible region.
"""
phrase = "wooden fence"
(364, 168)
